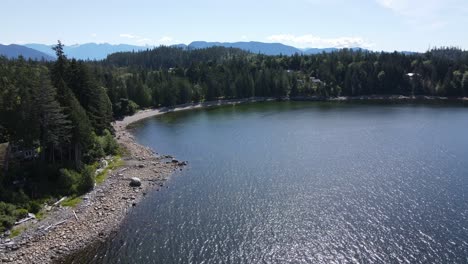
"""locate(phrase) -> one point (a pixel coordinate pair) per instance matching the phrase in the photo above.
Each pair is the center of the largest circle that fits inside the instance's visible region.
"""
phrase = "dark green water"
(304, 183)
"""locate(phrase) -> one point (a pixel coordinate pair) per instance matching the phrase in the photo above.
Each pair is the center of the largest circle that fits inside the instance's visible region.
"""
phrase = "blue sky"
(376, 24)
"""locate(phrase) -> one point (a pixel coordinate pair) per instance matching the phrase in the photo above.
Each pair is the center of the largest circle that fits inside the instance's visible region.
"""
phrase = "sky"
(413, 25)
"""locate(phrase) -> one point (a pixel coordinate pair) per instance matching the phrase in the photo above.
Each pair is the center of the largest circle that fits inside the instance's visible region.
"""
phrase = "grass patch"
(40, 215)
(114, 163)
(72, 201)
(16, 232)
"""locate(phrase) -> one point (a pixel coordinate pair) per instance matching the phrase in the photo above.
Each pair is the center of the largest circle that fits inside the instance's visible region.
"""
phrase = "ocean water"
(291, 182)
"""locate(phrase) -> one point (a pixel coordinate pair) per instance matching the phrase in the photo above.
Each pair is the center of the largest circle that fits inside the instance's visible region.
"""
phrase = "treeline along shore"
(59, 139)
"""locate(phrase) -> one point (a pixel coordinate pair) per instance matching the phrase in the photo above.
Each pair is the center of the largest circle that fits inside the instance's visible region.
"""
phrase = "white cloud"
(166, 40)
(311, 41)
(130, 36)
(143, 40)
(244, 37)
(93, 35)
(136, 38)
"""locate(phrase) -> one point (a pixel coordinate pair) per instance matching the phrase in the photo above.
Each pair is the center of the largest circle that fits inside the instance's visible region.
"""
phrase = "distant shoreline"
(395, 98)
(146, 113)
(143, 114)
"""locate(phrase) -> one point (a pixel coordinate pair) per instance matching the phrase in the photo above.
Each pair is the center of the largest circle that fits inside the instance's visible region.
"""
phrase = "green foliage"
(73, 182)
(57, 109)
(72, 201)
(108, 143)
(69, 181)
(20, 213)
(16, 232)
(34, 207)
(7, 216)
(116, 162)
(176, 76)
(125, 107)
(87, 179)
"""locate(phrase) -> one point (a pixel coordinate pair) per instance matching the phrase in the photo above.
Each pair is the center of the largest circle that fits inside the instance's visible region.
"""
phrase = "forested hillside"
(167, 76)
(62, 111)
(56, 119)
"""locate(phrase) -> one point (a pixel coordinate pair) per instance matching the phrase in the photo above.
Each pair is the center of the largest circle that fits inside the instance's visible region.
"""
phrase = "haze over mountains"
(94, 51)
(14, 51)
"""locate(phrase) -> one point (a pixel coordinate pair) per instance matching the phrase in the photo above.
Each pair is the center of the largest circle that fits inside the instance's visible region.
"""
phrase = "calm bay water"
(290, 182)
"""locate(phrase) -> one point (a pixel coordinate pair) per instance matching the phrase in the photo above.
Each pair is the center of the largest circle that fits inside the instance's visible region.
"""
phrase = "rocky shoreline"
(66, 230)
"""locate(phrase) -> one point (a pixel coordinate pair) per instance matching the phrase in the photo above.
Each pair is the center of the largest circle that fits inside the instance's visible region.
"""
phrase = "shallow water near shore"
(303, 182)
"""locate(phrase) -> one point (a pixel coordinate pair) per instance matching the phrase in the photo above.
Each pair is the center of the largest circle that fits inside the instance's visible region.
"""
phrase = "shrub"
(20, 213)
(68, 181)
(7, 216)
(34, 207)
(6, 208)
(6, 222)
(77, 183)
(125, 107)
(72, 201)
(108, 143)
(18, 197)
(87, 180)
(95, 151)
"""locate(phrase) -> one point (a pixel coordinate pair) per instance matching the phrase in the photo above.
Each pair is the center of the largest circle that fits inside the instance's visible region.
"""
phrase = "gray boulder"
(135, 182)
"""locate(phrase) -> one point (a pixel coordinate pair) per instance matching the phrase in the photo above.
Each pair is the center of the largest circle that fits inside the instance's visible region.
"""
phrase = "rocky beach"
(66, 230)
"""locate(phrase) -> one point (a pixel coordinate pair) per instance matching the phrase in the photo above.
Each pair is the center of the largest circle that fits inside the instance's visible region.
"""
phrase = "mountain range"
(261, 47)
(14, 51)
(94, 51)
(88, 51)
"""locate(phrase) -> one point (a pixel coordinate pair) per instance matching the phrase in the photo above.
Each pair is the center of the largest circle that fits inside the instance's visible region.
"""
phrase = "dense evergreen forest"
(166, 76)
(56, 120)
(62, 111)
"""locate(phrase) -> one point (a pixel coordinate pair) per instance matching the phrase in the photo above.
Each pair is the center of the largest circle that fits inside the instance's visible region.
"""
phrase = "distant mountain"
(264, 48)
(89, 51)
(14, 51)
(47, 49)
(318, 51)
(93, 51)
(252, 46)
(182, 46)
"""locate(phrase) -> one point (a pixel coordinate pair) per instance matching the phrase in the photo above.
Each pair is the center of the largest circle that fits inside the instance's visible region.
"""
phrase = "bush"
(108, 143)
(20, 213)
(125, 107)
(7, 216)
(34, 207)
(75, 183)
(6, 222)
(68, 181)
(16, 197)
(95, 151)
(6, 208)
(87, 180)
